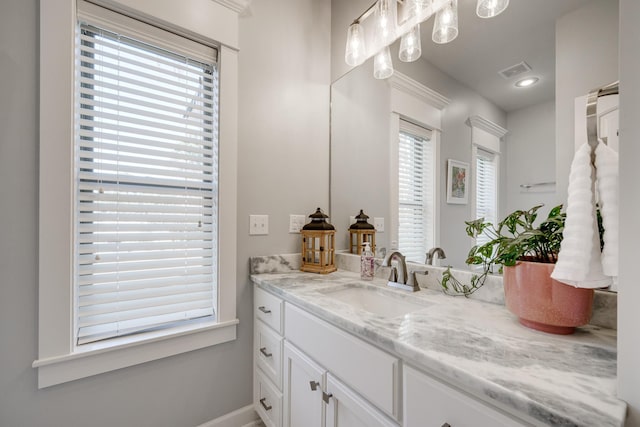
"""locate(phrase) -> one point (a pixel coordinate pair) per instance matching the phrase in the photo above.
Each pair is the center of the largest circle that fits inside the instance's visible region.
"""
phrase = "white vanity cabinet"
(308, 373)
(267, 356)
(304, 385)
(429, 402)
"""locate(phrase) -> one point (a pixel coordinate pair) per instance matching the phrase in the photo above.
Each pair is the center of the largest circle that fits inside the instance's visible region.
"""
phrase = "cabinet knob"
(263, 309)
(263, 350)
(264, 405)
(326, 397)
(314, 385)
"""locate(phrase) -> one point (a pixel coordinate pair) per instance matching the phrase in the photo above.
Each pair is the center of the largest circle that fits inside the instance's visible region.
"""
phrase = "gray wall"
(629, 291)
(284, 127)
(586, 58)
(530, 141)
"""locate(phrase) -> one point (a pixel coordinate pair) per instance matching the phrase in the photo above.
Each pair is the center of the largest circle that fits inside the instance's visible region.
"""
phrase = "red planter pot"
(543, 303)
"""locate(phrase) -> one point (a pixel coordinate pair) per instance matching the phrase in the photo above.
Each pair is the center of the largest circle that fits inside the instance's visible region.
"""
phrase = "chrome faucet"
(401, 281)
(432, 252)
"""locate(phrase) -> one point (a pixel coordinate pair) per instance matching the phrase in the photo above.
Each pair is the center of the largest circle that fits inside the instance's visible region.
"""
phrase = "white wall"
(629, 291)
(530, 158)
(284, 87)
(586, 58)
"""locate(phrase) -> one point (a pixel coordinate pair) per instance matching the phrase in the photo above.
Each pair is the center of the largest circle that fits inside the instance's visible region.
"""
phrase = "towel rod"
(592, 114)
(537, 184)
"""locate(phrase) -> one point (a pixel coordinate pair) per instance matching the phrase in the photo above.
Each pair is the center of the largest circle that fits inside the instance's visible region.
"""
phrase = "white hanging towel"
(580, 262)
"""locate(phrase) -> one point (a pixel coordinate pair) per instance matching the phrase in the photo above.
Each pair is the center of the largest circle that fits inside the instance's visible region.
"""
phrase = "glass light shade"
(382, 65)
(355, 51)
(445, 27)
(385, 22)
(410, 45)
(491, 8)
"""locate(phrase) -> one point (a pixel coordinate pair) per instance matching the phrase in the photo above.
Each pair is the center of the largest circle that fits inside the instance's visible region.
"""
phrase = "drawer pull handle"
(263, 309)
(263, 350)
(326, 397)
(446, 425)
(264, 405)
(314, 385)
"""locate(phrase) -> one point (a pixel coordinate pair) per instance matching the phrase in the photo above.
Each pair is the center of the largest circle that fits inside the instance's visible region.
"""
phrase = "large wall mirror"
(570, 45)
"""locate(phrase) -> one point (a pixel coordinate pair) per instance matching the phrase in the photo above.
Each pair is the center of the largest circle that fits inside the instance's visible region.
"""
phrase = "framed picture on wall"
(457, 182)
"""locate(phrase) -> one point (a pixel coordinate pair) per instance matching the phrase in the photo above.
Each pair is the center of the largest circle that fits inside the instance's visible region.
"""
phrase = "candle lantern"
(318, 245)
(360, 232)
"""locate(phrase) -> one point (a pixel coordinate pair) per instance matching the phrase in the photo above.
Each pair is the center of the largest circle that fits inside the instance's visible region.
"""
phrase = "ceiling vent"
(515, 70)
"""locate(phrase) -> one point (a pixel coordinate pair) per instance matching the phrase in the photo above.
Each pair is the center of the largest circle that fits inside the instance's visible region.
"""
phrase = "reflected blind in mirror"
(416, 182)
(486, 189)
(146, 167)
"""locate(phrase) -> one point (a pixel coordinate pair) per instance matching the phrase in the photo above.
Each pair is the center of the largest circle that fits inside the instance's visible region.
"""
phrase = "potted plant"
(526, 255)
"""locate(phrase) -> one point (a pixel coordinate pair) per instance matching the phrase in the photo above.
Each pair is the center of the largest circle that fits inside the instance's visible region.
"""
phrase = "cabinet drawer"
(268, 309)
(267, 400)
(429, 402)
(268, 352)
(366, 369)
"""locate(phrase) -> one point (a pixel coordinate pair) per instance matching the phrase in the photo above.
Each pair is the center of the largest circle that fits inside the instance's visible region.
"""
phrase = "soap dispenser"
(367, 267)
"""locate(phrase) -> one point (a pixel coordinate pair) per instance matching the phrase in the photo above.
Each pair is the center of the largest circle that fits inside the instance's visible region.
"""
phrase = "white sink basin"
(374, 301)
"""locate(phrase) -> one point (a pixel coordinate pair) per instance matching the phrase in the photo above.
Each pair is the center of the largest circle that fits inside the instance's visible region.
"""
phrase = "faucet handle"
(413, 279)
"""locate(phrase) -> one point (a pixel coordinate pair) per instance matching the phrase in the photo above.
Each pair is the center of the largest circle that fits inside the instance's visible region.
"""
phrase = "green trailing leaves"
(514, 238)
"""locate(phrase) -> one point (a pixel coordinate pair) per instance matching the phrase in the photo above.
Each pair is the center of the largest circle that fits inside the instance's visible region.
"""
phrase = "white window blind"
(146, 166)
(416, 182)
(486, 189)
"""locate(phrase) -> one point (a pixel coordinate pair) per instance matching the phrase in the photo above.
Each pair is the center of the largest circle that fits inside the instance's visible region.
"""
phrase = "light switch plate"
(258, 225)
(378, 223)
(296, 222)
(352, 219)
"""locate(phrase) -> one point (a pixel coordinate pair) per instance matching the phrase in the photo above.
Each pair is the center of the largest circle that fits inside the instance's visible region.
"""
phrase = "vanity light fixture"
(491, 8)
(529, 81)
(395, 19)
(445, 27)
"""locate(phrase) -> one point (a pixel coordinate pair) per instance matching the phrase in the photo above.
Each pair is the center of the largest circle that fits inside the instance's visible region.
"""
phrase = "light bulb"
(382, 65)
(410, 45)
(491, 8)
(445, 27)
(385, 31)
(355, 51)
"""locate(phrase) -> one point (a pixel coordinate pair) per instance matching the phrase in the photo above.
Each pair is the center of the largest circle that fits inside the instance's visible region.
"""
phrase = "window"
(139, 196)
(486, 168)
(146, 163)
(416, 182)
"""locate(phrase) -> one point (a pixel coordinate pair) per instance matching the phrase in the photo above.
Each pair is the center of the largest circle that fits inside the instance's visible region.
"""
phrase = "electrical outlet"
(296, 222)
(258, 225)
(378, 223)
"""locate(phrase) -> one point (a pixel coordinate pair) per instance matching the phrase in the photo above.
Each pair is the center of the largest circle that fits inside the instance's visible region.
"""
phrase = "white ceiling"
(523, 32)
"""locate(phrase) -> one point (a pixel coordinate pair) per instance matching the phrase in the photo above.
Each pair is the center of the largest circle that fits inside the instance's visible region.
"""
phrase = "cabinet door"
(303, 384)
(346, 409)
(429, 402)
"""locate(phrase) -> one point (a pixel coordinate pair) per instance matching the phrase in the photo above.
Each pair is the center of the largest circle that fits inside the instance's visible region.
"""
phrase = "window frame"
(429, 175)
(58, 359)
(496, 185)
(415, 103)
(487, 136)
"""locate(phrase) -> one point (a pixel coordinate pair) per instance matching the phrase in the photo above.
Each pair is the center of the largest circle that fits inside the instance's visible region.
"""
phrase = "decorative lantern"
(360, 232)
(318, 245)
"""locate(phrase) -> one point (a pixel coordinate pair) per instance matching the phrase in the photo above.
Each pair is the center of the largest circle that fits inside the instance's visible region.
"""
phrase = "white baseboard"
(243, 417)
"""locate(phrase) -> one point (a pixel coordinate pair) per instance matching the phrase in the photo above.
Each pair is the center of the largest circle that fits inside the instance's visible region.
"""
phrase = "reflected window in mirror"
(416, 191)
(486, 179)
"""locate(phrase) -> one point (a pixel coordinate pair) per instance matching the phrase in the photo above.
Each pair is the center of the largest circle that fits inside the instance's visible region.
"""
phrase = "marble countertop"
(478, 346)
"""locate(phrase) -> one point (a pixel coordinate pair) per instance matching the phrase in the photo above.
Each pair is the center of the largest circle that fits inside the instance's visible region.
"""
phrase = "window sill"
(128, 351)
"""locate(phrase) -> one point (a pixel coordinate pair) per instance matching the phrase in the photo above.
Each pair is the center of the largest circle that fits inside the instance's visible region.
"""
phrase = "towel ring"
(592, 113)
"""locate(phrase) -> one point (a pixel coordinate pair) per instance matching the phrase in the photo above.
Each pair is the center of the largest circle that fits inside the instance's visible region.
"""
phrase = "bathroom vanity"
(332, 350)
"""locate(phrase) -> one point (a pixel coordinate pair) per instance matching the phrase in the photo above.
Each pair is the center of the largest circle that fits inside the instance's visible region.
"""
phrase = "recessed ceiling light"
(529, 81)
